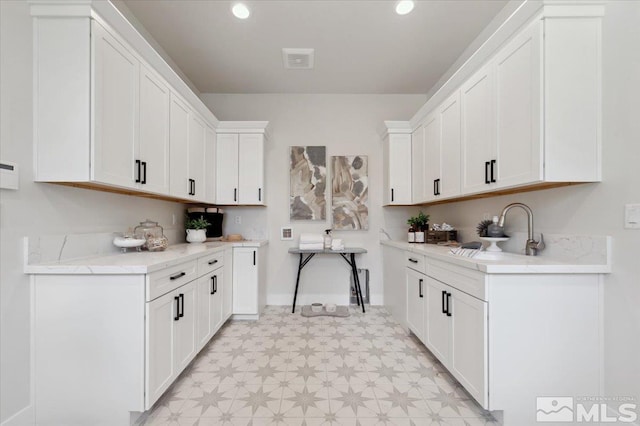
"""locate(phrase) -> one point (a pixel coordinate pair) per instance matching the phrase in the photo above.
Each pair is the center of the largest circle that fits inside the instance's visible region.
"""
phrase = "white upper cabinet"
(397, 165)
(153, 156)
(227, 169)
(180, 185)
(418, 177)
(518, 71)
(478, 131)
(431, 156)
(448, 184)
(105, 118)
(250, 169)
(115, 114)
(240, 163)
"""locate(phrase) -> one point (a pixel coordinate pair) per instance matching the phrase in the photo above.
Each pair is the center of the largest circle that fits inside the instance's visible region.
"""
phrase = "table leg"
(295, 294)
(356, 279)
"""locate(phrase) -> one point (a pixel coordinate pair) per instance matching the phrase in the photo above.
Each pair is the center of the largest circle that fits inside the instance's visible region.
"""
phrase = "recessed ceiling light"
(404, 6)
(240, 11)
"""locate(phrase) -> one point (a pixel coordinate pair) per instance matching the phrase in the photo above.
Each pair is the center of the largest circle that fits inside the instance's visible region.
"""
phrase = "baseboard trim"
(24, 417)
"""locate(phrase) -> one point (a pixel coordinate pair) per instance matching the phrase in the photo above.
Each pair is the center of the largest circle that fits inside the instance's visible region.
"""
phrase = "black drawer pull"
(259, 194)
(448, 304)
(420, 287)
(213, 262)
(493, 166)
(413, 260)
(235, 194)
(444, 297)
(486, 172)
(435, 187)
(138, 171)
(254, 258)
(392, 195)
(177, 317)
(181, 314)
(176, 276)
(213, 285)
(144, 173)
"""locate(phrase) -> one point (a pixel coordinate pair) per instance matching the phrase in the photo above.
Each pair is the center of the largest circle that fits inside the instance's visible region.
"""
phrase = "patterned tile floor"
(289, 370)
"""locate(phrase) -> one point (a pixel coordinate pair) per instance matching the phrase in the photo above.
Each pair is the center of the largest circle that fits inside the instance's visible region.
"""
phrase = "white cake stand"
(493, 247)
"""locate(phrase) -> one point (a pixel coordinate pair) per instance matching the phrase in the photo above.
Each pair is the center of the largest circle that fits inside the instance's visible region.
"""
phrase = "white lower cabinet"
(248, 282)
(415, 302)
(210, 295)
(456, 333)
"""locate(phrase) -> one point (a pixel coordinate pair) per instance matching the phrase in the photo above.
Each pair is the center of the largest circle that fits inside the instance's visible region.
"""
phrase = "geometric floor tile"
(285, 369)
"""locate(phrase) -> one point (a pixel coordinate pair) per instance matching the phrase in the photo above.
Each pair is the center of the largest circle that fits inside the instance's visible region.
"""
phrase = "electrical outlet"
(238, 220)
(632, 216)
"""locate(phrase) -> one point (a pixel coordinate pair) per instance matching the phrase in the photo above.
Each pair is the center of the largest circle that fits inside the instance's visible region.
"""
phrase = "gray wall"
(346, 125)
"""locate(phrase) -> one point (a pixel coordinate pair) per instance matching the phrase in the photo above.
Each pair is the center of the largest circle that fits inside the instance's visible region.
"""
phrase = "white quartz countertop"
(504, 263)
(137, 262)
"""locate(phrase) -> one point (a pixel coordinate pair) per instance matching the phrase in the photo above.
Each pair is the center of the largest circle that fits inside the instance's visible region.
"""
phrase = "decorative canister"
(153, 234)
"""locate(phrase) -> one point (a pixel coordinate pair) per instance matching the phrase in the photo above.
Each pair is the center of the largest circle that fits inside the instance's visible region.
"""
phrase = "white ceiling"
(361, 46)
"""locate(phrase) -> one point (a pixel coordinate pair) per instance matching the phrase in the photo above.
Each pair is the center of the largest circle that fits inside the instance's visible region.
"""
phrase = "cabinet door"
(245, 281)
(399, 169)
(418, 171)
(415, 302)
(478, 131)
(437, 323)
(518, 109)
(179, 147)
(227, 286)
(159, 343)
(218, 295)
(115, 113)
(210, 165)
(227, 169)
(185, 343)
(250, 169)
(197, 156)
(205, 290)
(449, 184)
(154, 132)
(469, 360)
(431, 162)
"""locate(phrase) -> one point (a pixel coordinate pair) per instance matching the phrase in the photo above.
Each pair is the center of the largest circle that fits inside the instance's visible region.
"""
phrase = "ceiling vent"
(297, 59)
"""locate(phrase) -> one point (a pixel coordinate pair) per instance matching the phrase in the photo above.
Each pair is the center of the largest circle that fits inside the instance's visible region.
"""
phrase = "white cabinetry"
(397, 164)
(437, 329)
(415, 302)
(249, 297)
(210, 165)
(210, 295)
(197, 157)
(152, 161)
(115, 114)
(240, 163)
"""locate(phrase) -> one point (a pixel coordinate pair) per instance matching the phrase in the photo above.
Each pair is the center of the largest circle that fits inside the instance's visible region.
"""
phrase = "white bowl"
(128, 242)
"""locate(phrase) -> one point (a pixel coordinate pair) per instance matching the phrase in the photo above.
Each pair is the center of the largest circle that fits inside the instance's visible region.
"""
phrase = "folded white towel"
(311, 238)
(311, 246)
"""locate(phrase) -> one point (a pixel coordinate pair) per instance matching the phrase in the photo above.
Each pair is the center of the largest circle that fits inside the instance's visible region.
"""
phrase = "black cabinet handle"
(444, 297)
(420, 287)
(213, 262)
(448, 304)
(144, 172)
(413, 260)
(259, 194)
(486, 172)
(235, 194)
(435, 187)
(392, 195)
(177, 317)
(138, 171)
(181, 314)
(493, 166)
(176, 276)
(254, 258)
(213, 285)
(194, 187)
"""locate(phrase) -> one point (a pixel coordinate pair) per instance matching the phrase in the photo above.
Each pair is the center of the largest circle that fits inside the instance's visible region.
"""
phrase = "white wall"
(596, 209)
(346, 125)
(39, 208)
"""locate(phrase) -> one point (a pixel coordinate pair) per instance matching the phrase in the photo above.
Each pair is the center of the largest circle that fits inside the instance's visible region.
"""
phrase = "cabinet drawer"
(415, 261)
(162, 282)
(463, 279)
(210, 262)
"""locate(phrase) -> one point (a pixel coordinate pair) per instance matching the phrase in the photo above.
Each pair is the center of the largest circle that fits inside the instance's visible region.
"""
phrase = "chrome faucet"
(532, 247)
